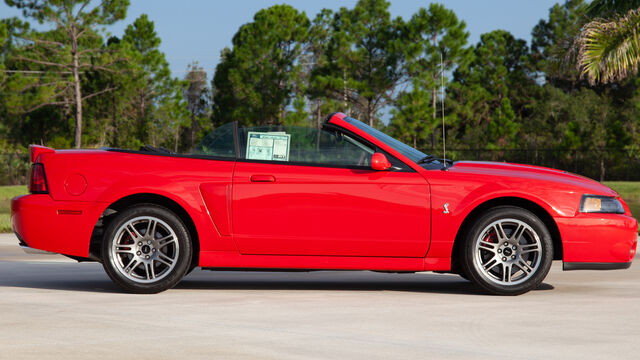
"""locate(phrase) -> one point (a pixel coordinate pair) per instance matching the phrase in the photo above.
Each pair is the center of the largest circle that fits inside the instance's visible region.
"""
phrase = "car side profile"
(345, 196)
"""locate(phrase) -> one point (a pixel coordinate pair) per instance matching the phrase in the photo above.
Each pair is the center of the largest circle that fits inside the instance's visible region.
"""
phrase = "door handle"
(263, 178)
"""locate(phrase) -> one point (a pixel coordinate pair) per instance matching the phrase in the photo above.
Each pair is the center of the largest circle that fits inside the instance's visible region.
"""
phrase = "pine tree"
(152, 75)
(72, 46)
(258, 78)
(550, 40)
(364, 59)
(197, 95)
(482, 95)
(436, 42)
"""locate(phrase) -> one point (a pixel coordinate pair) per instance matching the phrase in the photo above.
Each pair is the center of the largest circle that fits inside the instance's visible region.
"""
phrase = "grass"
(630, 191)
(6, 194)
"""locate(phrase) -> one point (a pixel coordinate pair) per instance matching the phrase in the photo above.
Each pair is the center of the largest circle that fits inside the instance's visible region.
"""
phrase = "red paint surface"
(75, 184)
(311, 210)
(251, 214)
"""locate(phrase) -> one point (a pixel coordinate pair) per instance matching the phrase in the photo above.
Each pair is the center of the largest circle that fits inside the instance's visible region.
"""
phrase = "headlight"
(600, 204)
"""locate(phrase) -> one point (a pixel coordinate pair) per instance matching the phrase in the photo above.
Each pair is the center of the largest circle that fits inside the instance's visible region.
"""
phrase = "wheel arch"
(144, 198)
(526, 204)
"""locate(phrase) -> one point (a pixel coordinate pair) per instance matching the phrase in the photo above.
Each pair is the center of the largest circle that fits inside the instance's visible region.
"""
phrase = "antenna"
(344, 82)
(444, 142)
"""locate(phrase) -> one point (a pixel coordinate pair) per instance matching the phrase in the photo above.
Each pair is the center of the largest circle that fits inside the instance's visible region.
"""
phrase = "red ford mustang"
(342, 197)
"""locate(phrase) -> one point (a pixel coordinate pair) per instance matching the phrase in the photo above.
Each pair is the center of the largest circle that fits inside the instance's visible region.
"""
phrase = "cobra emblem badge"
(446, 208)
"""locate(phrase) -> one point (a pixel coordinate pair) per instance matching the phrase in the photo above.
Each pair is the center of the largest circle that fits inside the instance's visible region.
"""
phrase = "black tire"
(145, 261)
(498, 259)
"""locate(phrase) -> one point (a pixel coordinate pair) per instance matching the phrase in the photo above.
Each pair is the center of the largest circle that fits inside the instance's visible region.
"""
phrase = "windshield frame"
(397, 145)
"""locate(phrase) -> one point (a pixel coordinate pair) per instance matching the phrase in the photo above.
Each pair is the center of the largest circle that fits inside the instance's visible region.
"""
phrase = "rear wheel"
(508, 251)
(146, 249)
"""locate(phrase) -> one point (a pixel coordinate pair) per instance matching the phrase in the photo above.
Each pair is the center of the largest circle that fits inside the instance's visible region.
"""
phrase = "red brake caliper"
(491, 238)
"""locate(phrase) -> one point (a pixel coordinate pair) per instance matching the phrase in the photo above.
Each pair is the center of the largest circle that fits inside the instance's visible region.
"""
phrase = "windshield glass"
(404, 149)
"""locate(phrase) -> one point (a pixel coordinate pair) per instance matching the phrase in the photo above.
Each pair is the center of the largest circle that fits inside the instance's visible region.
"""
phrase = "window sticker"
(268, 146)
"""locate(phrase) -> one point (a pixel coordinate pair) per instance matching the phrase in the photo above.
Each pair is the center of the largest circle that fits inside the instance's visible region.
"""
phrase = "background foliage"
(504, 99)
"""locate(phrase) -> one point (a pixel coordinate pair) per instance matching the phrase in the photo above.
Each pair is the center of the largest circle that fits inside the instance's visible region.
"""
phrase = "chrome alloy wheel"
(145, 249)
(508, 252)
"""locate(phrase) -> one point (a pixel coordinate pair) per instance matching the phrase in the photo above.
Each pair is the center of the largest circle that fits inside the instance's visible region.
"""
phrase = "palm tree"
(607, 49)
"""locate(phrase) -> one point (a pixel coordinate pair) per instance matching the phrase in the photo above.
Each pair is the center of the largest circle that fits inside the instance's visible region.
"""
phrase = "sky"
(197, 30)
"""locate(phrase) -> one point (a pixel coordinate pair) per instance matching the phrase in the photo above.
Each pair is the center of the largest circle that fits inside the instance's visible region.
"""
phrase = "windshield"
(404, 149)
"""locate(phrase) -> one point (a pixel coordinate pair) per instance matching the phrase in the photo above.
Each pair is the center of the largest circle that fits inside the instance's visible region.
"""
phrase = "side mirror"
(380, 162)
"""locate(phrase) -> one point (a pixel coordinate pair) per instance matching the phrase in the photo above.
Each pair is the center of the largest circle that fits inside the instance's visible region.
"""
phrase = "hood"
(503, 171)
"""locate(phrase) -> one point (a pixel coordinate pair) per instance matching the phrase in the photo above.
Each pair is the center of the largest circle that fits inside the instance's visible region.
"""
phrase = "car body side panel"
(313, 210)
(111, 176)
(463, 191)
(217, 199)
(63, 227)
(446, 223)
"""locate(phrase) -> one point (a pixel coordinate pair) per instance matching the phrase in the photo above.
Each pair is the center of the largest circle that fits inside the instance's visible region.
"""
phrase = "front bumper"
(598, 241)
(595, 266)
(62, 227)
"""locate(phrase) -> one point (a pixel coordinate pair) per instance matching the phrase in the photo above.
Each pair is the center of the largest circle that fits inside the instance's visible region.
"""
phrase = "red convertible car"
(345, 196)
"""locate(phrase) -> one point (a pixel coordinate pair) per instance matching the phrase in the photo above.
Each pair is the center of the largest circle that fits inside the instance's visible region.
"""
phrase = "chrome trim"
(446, 208)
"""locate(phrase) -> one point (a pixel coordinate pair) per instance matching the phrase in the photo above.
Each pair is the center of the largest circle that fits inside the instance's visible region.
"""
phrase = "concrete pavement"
(52, 308)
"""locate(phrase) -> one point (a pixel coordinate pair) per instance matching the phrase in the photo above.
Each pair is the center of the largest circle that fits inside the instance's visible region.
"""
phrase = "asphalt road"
(54, 308)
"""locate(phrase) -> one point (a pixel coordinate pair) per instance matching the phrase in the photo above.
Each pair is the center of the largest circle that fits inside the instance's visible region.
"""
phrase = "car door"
(324, 199)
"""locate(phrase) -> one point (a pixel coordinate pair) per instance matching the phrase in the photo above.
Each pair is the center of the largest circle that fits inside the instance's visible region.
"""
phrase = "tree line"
(65, 83)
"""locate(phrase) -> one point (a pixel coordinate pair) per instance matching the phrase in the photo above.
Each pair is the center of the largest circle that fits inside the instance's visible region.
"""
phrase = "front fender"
(446, 224)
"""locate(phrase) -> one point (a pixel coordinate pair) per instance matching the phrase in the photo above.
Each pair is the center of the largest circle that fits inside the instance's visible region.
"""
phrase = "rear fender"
(190, 200)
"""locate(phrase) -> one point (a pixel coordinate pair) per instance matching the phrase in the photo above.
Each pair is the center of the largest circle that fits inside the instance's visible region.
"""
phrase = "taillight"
(38, 181)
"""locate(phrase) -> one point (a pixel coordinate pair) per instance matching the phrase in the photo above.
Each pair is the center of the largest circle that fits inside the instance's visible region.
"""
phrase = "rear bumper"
(598, 241)
(62, 227)
(27, 249)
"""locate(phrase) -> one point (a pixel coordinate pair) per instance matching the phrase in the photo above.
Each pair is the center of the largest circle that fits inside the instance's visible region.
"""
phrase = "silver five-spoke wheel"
(145, 249)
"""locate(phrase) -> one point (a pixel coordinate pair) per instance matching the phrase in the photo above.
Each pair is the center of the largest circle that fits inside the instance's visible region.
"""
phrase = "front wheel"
(146, 249)
(508, 251)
